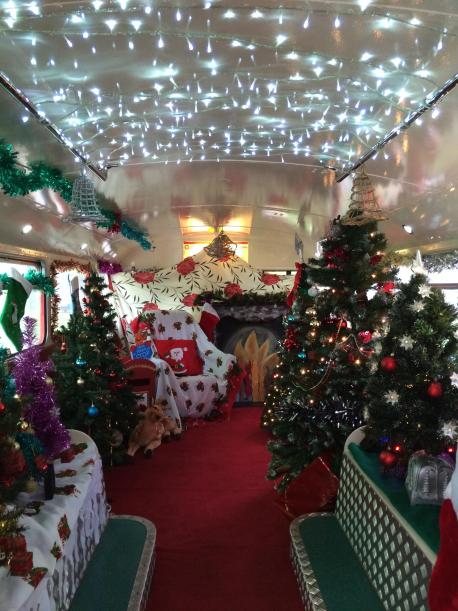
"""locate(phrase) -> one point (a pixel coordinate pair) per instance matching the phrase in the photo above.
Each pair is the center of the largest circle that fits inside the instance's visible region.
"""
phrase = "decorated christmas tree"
(412, 402)
(91, 381)
(299, 324)
(13, 469)
(351, 314)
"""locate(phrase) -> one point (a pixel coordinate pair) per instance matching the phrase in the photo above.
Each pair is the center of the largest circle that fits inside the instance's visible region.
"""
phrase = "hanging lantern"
(363, 206)
(84, 205)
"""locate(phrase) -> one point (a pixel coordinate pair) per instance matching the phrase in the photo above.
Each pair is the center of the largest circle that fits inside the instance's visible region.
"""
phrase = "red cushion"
(181, 355)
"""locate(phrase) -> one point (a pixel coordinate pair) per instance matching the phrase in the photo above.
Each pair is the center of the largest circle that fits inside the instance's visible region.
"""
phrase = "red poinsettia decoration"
(189, 300)
(232, 289)
(270, 279)
(143, 277)
(63, 529)
(150, 307)
(186, 266)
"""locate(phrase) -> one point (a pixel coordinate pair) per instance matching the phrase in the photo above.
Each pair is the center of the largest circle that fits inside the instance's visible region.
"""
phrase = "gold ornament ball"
(22, 425)
(310, 312)
(49, 381)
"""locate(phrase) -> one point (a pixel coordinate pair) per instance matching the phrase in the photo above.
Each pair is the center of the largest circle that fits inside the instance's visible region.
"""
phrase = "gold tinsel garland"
(58, 267)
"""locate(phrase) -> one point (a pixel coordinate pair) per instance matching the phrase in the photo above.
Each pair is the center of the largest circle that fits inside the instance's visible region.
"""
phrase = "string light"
(322, 122)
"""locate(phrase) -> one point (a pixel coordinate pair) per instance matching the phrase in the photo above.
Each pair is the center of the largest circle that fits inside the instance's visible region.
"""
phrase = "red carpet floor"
(222, 544)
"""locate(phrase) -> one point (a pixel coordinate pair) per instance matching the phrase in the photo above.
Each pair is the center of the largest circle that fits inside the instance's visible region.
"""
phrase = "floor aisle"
(222, 543)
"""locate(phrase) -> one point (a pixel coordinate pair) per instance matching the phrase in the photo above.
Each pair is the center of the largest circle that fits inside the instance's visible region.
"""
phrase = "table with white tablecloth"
(62, 534)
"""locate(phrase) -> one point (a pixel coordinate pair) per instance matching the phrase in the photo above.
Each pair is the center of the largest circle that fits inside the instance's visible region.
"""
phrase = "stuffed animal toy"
(171, 428)
(148, 432)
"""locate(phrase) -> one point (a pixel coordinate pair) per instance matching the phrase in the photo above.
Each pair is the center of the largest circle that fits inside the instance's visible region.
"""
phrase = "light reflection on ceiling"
(129, 81)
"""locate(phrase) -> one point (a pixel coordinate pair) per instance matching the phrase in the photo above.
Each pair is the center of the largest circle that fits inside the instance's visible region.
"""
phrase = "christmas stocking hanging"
(19, 290)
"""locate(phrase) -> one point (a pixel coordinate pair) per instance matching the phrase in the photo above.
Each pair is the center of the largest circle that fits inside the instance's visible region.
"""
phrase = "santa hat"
(208, 320)
(443, 588)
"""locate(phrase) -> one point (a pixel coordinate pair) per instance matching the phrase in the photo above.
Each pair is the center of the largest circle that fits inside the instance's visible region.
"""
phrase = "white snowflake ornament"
(406, 342)
(373, 367)
(417, 306)
(454, 379)
(392, 397)
(424, 290)
(450, 429)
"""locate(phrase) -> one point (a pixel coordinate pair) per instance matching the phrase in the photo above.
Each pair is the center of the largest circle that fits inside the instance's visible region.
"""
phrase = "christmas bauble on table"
(388, 363)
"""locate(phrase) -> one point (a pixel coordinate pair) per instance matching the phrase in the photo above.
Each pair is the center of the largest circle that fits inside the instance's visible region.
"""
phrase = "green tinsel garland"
(15, 182)
(37, 279)
(126, 229)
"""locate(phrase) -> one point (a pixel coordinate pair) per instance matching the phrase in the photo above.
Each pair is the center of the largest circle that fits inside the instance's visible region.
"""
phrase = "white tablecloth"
(85, 512)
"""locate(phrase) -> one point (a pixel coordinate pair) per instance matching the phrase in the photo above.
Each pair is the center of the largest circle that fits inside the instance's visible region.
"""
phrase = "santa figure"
(443, 589)
(175, 358)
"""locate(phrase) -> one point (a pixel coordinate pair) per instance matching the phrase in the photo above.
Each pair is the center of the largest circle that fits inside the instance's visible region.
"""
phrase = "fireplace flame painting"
(259, 360)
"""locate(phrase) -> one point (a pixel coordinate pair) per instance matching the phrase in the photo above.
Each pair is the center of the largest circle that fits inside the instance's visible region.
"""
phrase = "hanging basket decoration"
(363, 207)
(84, 205)
(222, 248)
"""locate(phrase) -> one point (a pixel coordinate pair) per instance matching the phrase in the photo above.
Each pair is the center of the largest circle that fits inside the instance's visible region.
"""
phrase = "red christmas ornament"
(351, 358)
(388, 363)
(387, 458)
(365, 336)
(2, 407)
(387, 287)
(63, 347)
(41, 463)
(375, 259)
(435, 390)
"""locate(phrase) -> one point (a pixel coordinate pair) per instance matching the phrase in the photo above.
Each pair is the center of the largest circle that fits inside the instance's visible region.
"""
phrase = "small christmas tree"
(412, 402)
(91, 380)
(13, 469)
(33, 381)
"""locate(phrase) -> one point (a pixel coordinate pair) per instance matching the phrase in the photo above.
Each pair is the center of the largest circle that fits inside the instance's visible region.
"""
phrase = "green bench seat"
(119, 573)
(328, 570)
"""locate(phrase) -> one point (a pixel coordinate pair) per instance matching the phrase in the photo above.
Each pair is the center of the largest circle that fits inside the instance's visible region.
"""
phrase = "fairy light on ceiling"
(132, 82)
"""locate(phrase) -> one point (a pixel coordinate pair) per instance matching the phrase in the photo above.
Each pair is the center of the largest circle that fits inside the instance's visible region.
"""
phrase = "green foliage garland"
(15, 182)
(37, 279)
(243, 299)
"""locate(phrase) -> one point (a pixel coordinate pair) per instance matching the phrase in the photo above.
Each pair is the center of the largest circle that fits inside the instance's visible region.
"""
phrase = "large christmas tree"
(299, 325)
(351, 312)
(91, 381)
(412, 402)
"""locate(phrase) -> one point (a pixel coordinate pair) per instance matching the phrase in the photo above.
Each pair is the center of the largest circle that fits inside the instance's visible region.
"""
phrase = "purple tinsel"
(42, 412)
(108, 267)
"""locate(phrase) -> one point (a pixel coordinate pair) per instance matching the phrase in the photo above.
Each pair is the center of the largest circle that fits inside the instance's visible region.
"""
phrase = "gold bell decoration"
(363, 207)
(221, 248)
(84, 205)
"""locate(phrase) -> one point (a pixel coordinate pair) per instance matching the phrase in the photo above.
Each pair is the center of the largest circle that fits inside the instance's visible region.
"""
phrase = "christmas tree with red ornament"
(412, 402)
(91, 380)
(299, 324)
(356, 286)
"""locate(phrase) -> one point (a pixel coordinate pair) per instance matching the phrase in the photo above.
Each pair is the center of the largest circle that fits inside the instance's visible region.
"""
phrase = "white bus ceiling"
(262, 99)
